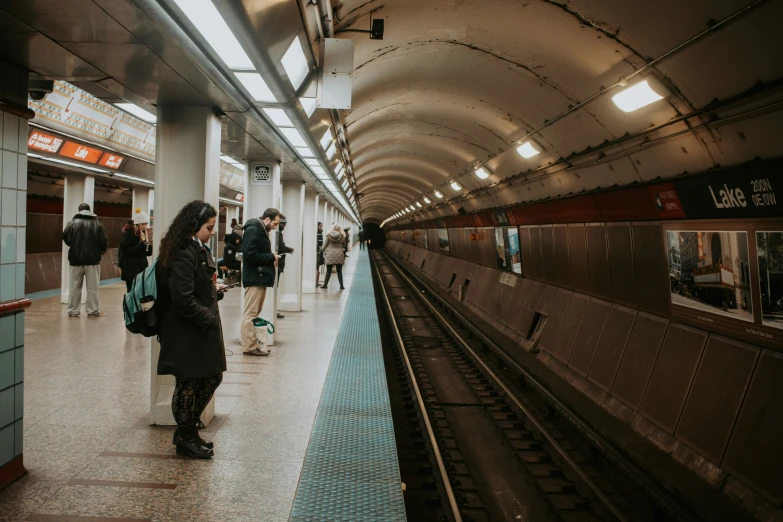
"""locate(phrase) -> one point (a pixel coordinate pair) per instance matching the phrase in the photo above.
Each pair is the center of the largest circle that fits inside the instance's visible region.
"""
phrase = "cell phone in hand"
(222, 289)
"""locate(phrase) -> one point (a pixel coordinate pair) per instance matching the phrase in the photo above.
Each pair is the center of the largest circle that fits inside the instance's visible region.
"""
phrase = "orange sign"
(44, 142)
(474, 236)
(80, 152)
(113, 161)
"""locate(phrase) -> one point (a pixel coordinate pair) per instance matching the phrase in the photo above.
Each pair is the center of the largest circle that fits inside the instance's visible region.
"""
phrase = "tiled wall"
(13, 217)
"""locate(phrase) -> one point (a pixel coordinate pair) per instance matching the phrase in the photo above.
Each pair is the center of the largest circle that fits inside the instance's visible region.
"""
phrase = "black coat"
(191, 338)
(132, 254)
(320, 242)
(233, 245)
(87, 239)
(257, 256)
(282, 249)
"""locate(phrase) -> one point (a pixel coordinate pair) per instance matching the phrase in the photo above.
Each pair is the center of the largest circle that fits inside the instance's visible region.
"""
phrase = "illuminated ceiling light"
(293, 136)
(427, 200)
(295, 63)
(319, 170)
(305, 152)
(331, 150)
(326, 138)
(639, 95)
(345, 185)
(413, 209)
(339, 169)
(418, 204)
(312, 162)
(207, 19)
(439, 194)
(481, 173)
(528, 149)
(279, 117)
(137, 111)
(309, 105)
(256, 86)
(456, 186)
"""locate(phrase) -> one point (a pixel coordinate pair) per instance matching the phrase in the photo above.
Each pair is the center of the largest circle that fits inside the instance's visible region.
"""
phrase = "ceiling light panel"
(293, 136)
(305, 152)
(295, 63)
(279, 117)
(418, 204)
(138, 112)
(312, 162)
(481, 173)
(256, 86)
(206, 18)
(331, 150)
(637, 96)
(326, 138)
(439, 194)
(427, 200)
(456, 186)
(528, 149)
(309, 105)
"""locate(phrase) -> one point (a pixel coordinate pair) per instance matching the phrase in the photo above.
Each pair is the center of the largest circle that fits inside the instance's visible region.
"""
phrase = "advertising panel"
(769, 248)
(443, 239)
(514, 255)
(44, 142)
(710, 271)
(80, 152)
(500, 249)
(110, 160)
(426, 234)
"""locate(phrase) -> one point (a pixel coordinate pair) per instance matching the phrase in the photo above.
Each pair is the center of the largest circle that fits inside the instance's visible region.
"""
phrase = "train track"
(479, 439)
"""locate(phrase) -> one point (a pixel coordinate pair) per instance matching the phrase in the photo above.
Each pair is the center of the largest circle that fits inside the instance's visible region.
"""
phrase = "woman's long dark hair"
(189, 220)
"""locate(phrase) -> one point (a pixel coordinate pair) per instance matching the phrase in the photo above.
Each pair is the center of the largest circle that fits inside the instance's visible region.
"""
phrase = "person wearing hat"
(135, 246)
(282, 250)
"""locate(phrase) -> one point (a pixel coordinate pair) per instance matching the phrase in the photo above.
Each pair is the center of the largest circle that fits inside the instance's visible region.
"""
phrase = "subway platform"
(91, 455)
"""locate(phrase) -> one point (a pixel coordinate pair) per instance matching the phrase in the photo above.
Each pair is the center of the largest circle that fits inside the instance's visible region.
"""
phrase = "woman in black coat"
(191, 338)
(135, 246)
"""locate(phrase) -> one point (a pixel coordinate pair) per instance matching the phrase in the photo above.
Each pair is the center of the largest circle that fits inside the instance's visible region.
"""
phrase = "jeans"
(92, 275)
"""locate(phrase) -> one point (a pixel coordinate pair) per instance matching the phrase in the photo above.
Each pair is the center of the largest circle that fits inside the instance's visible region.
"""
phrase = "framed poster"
(769, 253)
(500, 249)
(514, 255)
(709, 271)
(443, 239)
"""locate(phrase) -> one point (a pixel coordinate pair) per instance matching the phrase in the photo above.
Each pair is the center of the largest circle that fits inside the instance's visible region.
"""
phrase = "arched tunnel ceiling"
(454, 82)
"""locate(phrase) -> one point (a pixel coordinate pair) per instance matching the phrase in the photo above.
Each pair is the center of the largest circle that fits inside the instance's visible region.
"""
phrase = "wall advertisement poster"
(443, 239)
(515, 257)
(769, 249)
(500, 248)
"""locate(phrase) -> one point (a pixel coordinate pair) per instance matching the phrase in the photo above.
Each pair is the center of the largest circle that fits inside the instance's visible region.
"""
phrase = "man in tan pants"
(258, 273)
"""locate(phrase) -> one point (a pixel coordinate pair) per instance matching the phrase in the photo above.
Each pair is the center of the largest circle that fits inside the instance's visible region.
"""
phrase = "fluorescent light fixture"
(439, 194)
(326, 138)
(309, 105)
(331, 150)
(231, 201)
(637, 96)
(293, 136)
(228, 159)
(256, 86)
(295, 63)
(207, 19)
(528, 149)
(279, 117)
(318, 170)
(427, 200)
(305, 152)
(456, 186)
(418, 204)
(339, 169)
(345, 185)
(138, 112)
(134, 178)
(481, 173)
(72, 164)
(312, 162)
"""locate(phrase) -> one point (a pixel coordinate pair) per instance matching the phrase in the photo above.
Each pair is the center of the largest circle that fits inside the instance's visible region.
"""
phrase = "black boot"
(204, 443)
(340, 278)
(188, 444)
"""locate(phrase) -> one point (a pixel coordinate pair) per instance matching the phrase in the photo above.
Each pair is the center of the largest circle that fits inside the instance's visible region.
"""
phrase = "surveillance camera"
(38, 89)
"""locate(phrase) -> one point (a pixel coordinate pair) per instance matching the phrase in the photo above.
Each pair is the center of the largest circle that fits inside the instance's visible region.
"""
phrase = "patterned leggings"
(191, 396)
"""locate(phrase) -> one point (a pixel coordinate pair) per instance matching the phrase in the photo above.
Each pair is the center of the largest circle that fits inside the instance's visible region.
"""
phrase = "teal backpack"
(142, 314)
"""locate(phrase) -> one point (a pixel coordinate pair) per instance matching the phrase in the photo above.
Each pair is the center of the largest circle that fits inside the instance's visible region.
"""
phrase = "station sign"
(44, 142)
(111, 160)
(80, 152)
(474, 236)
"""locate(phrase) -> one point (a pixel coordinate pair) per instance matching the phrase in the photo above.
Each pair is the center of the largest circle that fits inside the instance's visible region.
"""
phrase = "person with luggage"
(334, 254)
(87, 241)
(191, 334)
(135, 247)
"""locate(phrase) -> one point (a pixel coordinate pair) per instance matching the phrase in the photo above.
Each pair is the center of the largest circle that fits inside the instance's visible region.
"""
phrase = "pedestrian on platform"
(135, 246)
(319, 261)
(347, 241)
(361, 238)
(191, 337)
(236, 227)
(282, 250)
(259, 274)
(334, 254)
(87, 239)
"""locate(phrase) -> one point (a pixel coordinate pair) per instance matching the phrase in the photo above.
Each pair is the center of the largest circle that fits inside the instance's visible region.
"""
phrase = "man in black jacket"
(87, 241)
(282, 250)
(258, 273)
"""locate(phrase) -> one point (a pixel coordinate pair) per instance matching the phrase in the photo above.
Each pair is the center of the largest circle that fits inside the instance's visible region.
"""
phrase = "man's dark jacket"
(282, 249)
(257, 256)
(87, 239)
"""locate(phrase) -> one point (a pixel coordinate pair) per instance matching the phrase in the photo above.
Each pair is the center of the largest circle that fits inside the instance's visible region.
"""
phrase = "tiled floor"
(87, 400)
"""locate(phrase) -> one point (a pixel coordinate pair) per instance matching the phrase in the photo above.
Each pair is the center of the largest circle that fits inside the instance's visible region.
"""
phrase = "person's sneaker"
(256, 352)
(73, 315)
(96, 314)
(280, 316)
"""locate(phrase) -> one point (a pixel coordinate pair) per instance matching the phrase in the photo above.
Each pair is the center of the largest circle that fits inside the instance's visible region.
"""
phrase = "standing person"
(319, 255)
(87, 239)
(135, 246)
(361, 239)
(282, 250)
(347, 241)
(236, 227)
(258, 274)
(191, 336)
(334, 255)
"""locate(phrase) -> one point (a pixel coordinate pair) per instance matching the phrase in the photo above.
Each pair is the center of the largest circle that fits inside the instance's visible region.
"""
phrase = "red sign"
(666, 201)
(80, 152)
(44, 142)
(113, 161)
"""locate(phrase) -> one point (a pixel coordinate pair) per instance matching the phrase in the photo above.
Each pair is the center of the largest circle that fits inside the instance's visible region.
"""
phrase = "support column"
(187, 168)
(235, 214)
(325, 219)
(259, 196)
(291, 279)
(78, 189)
(310, 241)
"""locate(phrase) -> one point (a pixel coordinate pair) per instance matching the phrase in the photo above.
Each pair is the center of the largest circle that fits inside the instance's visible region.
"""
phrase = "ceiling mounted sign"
(80, 152)
(44, 142)
(112, 161)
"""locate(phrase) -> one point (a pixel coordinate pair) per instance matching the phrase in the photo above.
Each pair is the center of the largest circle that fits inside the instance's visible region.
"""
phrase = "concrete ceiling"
(455, 82)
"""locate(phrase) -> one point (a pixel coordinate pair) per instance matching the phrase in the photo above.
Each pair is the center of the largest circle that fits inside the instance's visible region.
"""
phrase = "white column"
(309, 236)
(78, 189)
(259, 196)
(291, 279)
(325, 219)
(235, 214)
(187, 168)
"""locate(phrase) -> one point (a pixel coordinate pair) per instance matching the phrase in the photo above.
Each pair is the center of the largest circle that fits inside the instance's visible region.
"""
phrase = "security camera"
(38, 89)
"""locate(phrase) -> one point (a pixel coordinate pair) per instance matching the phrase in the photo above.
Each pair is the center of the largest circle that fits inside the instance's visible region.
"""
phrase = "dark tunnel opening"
(375, 235)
